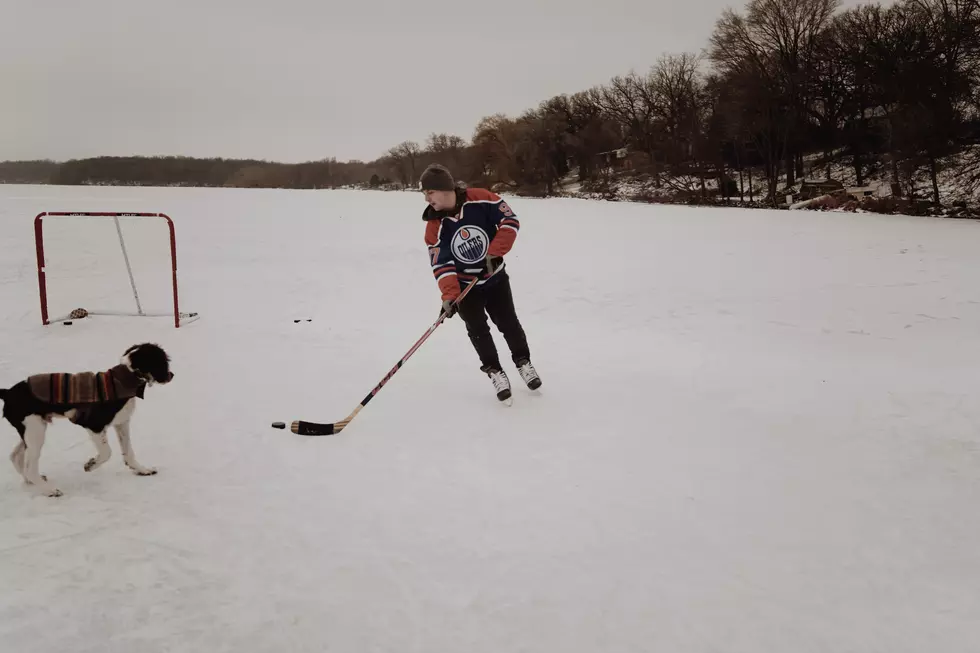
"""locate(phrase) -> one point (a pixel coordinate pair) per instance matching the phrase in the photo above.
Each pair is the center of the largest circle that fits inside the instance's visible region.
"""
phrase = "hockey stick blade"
(301, 427)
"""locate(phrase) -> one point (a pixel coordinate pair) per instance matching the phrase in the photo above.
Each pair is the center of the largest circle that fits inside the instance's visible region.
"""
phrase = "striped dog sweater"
(116, 383)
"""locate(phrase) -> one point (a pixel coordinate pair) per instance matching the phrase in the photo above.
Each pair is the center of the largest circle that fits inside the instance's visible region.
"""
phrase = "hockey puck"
(278, 425)
(68, 323)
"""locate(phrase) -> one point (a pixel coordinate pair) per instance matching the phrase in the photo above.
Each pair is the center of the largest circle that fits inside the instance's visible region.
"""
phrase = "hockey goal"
(107, 263)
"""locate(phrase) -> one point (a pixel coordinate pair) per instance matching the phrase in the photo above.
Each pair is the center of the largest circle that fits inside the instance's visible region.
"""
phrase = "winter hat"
(437, 177)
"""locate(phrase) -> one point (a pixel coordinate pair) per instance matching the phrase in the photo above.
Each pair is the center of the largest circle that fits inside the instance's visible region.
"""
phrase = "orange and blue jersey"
(459, 240)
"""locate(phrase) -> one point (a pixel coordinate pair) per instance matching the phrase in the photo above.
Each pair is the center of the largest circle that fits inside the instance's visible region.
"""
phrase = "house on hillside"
(808, 189)
(620, 159)
(811, 188)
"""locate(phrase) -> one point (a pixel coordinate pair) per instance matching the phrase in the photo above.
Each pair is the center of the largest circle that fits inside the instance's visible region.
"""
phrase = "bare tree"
(495, 149)
(948, 70)
(449, 150)
(774, 44)
(403, 160)
(677, 94)
(631, 101)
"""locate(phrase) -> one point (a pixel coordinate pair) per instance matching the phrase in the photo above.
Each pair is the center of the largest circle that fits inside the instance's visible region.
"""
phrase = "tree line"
(187, 171)
(889, 92)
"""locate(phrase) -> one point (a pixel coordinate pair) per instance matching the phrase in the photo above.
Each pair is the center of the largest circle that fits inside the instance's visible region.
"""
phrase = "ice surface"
(758, 431)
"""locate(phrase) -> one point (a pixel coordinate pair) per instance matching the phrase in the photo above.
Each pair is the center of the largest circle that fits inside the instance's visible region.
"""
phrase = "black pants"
(497, 302)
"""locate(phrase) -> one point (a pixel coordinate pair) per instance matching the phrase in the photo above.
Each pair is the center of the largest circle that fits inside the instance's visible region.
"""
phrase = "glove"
(493, 262)
(449, 308)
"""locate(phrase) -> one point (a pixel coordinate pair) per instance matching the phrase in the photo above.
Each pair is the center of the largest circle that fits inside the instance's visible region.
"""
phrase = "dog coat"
(116, 383)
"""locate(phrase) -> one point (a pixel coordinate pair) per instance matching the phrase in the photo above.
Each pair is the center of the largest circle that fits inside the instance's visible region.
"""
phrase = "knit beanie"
(437, 177)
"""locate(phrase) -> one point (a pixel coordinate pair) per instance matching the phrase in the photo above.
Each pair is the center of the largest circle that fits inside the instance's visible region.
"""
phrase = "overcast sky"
(298, 80)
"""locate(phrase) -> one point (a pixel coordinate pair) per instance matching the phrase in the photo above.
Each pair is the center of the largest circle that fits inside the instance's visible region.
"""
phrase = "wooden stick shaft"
(313, 428)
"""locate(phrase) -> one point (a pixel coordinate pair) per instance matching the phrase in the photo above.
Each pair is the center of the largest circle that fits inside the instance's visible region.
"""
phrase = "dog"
(93, 400)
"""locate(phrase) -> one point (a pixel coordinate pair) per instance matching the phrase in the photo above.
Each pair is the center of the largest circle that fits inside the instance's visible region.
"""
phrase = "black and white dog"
(93, 400)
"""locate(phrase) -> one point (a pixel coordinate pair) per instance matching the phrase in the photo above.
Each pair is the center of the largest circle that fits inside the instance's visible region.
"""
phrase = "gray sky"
(297, 80)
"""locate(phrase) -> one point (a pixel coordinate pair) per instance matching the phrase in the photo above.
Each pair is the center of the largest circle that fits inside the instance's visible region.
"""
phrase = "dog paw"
(145, 471)
(55, 492)
(43, 478)
(93, 464)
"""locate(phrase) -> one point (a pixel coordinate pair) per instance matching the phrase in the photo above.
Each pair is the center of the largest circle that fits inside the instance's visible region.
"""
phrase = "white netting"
(108, 265)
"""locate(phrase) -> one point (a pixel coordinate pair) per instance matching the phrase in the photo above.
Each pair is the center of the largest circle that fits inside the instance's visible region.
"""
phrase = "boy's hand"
(493, 262)
(449, 308)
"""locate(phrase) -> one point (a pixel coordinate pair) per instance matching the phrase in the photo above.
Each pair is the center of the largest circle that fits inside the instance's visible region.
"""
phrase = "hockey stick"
(301, 427)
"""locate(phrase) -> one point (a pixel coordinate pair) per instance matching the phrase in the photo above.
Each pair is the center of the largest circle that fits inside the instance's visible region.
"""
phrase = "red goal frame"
(39, 244)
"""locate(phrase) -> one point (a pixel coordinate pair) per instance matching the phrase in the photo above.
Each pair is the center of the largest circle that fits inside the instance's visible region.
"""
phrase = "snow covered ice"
(758, 431)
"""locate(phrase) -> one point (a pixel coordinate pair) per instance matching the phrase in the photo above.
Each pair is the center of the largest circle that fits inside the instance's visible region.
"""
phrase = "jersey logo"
(506, 210)
(470, 244)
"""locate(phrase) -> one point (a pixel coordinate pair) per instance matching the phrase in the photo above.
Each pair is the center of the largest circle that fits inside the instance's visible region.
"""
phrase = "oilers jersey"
(459, 240)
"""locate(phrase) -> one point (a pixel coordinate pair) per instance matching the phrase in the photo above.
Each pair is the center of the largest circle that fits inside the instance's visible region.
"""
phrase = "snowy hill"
(757, 432)
(957, 183)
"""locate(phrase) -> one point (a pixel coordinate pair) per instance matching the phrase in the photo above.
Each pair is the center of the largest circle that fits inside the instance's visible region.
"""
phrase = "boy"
(468, 232)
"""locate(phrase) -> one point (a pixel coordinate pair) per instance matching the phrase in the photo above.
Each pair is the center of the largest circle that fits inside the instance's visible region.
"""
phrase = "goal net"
(114, 264)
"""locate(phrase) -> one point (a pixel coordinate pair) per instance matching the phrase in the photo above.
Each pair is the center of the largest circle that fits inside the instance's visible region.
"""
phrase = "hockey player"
(468, 232)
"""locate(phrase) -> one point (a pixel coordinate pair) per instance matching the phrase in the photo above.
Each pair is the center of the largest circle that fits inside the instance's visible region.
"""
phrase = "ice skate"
(501, 384)
(529, 374)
